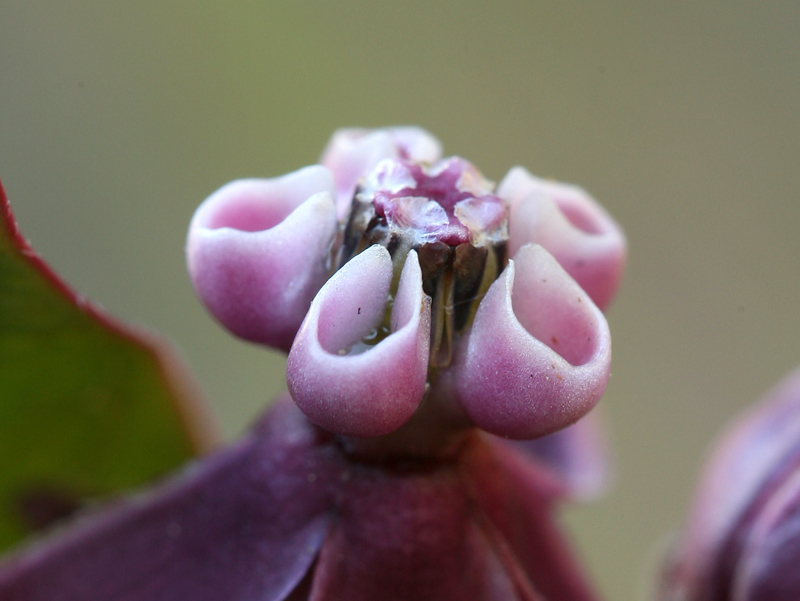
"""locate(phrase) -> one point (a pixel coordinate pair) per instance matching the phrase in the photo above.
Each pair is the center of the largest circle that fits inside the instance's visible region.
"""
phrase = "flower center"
(448, 214)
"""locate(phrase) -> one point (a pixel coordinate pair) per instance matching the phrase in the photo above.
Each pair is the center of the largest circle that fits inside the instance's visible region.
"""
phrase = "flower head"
(481, 301)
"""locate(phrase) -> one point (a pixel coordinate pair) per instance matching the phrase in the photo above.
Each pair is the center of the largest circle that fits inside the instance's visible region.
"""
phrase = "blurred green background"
(118, 118)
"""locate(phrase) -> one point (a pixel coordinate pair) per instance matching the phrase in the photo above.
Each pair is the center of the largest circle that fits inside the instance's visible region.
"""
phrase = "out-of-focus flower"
(742, 538)
(427, 314)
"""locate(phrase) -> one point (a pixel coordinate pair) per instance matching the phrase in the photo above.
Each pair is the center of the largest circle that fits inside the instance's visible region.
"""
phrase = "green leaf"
(88, 407)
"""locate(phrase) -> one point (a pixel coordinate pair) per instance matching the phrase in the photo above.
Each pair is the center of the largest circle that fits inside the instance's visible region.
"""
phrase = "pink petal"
(571, 225)
(372, 392)
(416, 144)
(410, 535)
(257, 252)
(352, 153)
(538, 363)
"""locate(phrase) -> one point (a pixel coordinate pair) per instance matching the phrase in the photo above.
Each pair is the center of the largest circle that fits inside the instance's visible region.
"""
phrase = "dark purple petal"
(409, 535)
(244, 524)
(516, 496)
(578, 456)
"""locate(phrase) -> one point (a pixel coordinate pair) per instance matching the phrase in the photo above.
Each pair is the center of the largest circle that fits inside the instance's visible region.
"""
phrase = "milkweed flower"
(483, 301)
(443, 336)
(742, 538)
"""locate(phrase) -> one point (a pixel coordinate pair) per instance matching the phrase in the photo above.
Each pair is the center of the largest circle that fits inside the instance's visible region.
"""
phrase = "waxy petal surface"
(257, 252)
(539, 353)
(352, 153)
(571, 226)
(245, 524)
(375, 391)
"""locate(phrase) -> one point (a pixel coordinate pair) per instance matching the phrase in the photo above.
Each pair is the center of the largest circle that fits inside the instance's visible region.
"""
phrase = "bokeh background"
(118, 118)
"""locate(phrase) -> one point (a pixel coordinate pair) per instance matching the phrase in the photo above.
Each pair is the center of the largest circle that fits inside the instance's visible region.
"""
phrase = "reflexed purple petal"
(352, 153)
(409, 535)
(769, 569)
(539, 353)
(257, 251)
(755, 455)
(344, 385)
(245, 524)
(516, 496)
(578, 456)
(571, 225)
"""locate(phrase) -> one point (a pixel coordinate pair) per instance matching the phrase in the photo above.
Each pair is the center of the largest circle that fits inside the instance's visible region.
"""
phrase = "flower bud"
(742, 539)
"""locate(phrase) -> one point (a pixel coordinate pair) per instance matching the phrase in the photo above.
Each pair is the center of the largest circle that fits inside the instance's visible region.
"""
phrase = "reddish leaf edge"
(201, 425)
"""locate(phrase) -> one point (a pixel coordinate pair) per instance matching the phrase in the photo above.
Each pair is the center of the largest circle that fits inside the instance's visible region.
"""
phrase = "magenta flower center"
(448, 214)
(448, 202)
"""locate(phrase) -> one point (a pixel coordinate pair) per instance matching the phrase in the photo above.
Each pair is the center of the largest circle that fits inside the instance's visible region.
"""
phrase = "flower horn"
(340, 383)
(257, 252)
(539, 353)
